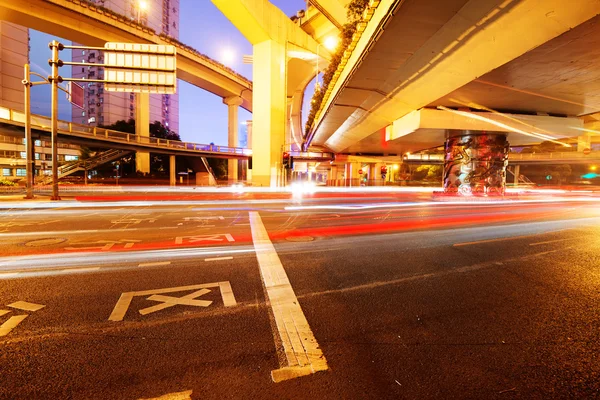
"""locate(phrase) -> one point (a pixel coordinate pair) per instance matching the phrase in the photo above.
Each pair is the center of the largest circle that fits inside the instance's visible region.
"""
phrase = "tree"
(158, 162)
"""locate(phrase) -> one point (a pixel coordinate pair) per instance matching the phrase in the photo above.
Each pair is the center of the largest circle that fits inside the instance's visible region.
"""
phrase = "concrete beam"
(86, 24)
(481, 36)
(332, 10)
(259, 21)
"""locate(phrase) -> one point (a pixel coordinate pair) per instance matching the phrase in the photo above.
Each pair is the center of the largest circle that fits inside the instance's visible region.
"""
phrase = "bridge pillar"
(351, 174)
(475, 163)
(584, 142)
(233, 104)
(172, 171)
(142, 129)
(268, 112)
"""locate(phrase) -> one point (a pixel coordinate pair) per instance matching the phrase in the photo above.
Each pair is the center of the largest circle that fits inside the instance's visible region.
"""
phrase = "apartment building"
(105, 108)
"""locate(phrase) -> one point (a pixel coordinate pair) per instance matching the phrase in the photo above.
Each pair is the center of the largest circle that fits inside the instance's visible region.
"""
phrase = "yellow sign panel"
(134, 67)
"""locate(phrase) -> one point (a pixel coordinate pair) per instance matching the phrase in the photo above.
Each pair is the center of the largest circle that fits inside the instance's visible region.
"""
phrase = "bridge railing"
(43, 122)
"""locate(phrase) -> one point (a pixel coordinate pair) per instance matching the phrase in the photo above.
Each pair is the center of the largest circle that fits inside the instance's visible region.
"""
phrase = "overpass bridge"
(92, 25)
(108, 138)
(476, 74)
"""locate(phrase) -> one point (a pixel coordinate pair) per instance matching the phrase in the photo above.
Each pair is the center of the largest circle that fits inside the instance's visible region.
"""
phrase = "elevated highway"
(504, 55)
(91, 25)
(420, 72)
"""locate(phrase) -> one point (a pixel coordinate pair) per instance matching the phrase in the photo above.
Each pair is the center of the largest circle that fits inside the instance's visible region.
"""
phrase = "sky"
(202, 115)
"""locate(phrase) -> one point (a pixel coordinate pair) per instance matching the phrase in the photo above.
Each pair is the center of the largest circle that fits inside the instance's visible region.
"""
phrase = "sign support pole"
(54, 46)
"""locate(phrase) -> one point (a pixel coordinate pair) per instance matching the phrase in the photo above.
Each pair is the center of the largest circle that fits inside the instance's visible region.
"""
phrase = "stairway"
(81, 165)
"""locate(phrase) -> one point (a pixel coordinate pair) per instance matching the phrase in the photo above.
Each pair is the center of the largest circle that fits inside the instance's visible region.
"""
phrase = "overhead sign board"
(75, 94)
(142, 68)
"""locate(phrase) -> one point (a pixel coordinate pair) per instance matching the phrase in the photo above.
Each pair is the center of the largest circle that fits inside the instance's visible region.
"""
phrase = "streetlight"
(330, 44)
(142, 6)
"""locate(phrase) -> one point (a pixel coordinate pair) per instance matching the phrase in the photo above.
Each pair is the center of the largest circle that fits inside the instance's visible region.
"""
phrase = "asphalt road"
(402, 298)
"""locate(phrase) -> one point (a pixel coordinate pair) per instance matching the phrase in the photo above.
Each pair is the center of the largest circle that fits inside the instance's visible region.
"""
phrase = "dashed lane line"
(187, 395)
(218, 258)
(303, 354)
(154, 264)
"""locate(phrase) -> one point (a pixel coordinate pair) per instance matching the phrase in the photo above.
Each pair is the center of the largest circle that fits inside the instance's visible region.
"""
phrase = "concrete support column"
(475, 163)
(233, 104)
(172, 171)
(584, 142)
(351, 174)
(517, 172)
(142, 129)
(268, 115)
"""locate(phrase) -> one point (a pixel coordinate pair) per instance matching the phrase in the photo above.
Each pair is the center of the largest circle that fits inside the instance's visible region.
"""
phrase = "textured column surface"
(142, 130)
(475, 163)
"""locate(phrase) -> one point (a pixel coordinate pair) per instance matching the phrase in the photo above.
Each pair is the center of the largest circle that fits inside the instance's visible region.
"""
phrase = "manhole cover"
(45, 242)
(300, 239)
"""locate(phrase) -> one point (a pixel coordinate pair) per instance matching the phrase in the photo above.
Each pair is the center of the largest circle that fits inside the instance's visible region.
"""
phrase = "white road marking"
(219, 237)
(494, 240)
(218, 258)
(302, 351)
(122, 305)
(202, 218)
(168, 227)
(12, 322)
(26, 306)
(80, 269)
(168, 301)
(552, 241)
(154, 264)
(187, 395)
(7, 275)
(4, 312)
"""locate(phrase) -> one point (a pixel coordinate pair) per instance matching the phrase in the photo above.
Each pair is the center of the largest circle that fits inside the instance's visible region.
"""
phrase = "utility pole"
(29, 144)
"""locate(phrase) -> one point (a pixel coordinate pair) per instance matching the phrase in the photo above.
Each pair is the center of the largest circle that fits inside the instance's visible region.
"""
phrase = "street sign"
(360, 171)
(75, 94)
(141, 68)
(587, 151)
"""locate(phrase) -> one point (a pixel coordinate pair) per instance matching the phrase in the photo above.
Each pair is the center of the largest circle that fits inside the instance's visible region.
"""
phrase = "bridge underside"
(451, 45)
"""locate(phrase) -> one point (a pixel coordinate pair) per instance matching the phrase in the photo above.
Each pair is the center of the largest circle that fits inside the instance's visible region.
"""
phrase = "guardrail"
(79, 130)
(557, 156)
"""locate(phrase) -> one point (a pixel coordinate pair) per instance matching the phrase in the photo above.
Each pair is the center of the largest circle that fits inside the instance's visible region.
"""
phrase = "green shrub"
(6, 182)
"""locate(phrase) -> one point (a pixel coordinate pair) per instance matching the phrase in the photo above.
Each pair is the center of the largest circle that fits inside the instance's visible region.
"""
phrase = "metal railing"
(558, 156)
(69, 128)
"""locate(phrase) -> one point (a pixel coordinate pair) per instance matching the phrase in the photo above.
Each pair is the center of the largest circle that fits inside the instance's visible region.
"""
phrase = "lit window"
(21, 172)
(6, 172)
(38, 142)
(37, 156)
(23, 154)
(71, 158)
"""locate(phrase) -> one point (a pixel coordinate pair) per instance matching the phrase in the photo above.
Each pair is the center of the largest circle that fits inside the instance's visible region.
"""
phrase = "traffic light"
(383, 171)
(286, 160)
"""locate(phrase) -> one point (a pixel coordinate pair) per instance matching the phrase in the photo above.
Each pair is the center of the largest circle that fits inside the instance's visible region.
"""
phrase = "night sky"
(202, 115)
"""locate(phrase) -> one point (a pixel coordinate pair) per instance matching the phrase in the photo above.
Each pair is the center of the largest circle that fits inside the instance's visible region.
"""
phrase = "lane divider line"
(303, 354)
(154, 264)
(552, 241)
(187, 395)
(218, 258)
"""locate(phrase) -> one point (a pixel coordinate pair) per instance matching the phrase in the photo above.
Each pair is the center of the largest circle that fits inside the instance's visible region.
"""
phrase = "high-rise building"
(14, 53)
(106, 108)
